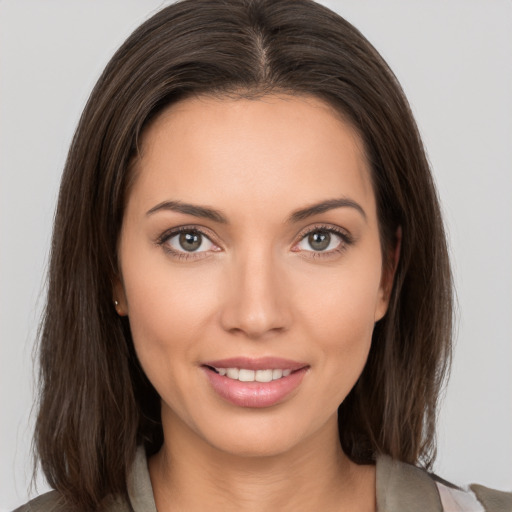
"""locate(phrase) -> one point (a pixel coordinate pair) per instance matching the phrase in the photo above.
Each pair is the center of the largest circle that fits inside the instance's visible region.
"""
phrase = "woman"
(248, 264)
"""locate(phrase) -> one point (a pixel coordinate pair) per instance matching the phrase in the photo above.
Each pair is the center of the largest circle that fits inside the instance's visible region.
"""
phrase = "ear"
(119, 297)
(388, 276)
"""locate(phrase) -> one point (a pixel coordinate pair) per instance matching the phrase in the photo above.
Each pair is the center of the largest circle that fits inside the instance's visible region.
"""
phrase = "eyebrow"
(215, 215)
(189, 209)
(325, 206)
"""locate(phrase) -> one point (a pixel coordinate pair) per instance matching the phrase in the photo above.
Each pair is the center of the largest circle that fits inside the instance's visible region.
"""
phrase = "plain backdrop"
(454, 60)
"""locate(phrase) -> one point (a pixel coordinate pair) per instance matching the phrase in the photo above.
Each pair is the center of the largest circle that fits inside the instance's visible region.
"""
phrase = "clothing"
(400, 488)
(405, 488)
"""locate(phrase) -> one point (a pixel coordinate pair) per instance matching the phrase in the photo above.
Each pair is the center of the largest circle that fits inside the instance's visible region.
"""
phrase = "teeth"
(277, 374)
(233, 373)
(263, 375)
(244, 375)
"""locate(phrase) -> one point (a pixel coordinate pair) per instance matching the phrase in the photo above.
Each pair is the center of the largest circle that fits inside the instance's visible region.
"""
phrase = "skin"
(257, 289)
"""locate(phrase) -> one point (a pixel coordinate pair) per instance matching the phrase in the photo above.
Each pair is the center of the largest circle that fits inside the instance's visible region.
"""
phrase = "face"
(251, 269)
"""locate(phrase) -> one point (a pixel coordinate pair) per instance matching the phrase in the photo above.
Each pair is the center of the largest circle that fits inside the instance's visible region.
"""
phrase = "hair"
(96, 405)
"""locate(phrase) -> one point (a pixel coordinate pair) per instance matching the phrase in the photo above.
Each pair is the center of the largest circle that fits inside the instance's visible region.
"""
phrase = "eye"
(189, 241)
(323, 240)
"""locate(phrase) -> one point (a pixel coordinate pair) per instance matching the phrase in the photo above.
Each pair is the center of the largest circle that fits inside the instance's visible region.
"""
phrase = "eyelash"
(167, 235)
(346, 241)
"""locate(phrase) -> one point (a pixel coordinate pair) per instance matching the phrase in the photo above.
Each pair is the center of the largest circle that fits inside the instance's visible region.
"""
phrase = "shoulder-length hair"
(96, 405)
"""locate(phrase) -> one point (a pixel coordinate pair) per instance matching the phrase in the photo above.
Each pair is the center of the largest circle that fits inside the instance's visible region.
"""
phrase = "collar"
(400, 487)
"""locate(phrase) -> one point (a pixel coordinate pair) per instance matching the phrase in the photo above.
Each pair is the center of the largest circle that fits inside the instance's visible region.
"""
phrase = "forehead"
(266, 153)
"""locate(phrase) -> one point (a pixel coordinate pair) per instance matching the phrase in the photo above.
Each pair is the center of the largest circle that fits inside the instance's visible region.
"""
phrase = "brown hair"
(96, 405)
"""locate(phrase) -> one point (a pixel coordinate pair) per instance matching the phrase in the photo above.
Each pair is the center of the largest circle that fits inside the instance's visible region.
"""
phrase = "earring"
(116, 303)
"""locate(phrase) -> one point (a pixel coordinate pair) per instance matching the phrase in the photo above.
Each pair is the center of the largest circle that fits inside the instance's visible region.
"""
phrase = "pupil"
(190, 241)
(319, 240)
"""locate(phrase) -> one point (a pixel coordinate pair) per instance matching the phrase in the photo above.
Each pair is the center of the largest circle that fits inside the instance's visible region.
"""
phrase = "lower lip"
(254, 394)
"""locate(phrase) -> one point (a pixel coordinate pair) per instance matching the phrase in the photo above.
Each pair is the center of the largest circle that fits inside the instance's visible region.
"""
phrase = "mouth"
(247, 375)
(255, 383)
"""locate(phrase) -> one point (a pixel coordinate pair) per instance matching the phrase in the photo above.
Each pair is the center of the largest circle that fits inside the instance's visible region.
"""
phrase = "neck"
(190, 474)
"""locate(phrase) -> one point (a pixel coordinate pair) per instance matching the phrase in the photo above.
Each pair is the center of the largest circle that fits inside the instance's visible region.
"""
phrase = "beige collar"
(400, 487)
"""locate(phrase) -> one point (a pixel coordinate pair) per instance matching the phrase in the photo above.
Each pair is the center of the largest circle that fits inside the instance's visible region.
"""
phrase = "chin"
(262, 446)
(269, 435)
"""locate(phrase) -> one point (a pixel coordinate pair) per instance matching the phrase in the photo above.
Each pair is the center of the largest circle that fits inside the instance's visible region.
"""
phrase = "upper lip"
(261, 363)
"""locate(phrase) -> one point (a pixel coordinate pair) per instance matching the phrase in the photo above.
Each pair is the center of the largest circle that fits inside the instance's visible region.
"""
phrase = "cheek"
(167, 302)
(342, 302)
(167, 311)
(344, 329)
(340, 317)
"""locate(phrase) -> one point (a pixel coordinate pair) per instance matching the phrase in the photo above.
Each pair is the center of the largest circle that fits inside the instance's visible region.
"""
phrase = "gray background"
(454, 60)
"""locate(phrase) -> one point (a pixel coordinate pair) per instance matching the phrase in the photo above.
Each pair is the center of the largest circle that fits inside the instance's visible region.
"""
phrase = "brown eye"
(190, 241)
(322, 240)
(319, 240)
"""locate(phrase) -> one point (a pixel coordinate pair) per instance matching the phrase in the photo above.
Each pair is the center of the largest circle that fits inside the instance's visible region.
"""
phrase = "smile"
(246, 375)
(255, 383)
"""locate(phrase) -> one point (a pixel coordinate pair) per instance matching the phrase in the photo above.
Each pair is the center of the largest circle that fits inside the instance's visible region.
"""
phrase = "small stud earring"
(117, 307)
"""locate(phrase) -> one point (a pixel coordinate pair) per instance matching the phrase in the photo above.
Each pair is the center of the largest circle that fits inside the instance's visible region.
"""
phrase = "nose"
(257, 299)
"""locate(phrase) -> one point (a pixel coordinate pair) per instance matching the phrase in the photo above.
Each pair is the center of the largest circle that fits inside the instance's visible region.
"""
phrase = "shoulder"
(49, 502)
(54, 502)
(403, 487)
(493, 499)
(140, 494)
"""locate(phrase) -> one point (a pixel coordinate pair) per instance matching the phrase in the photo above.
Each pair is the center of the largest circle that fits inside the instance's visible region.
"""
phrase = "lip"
(255, 394)
(261, 363)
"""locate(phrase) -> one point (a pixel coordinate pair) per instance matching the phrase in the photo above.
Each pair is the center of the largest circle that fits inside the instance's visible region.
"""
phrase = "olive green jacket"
(400, 488)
